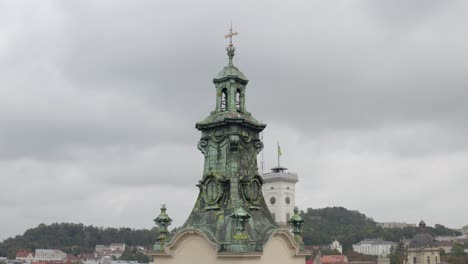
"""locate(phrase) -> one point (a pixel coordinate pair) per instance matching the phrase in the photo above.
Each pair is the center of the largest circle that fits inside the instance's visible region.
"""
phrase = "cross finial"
(230, 49)
(230, 35)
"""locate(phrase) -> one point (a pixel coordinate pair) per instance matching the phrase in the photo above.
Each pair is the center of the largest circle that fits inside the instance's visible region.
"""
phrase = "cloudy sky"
(98, 101)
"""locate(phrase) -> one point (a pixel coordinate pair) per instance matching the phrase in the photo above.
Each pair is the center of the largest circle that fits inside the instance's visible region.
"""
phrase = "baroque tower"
(230, 218)
(230, 206)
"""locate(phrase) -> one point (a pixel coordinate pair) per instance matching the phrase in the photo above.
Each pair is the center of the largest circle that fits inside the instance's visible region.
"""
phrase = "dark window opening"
(224, 100)
(238, 99)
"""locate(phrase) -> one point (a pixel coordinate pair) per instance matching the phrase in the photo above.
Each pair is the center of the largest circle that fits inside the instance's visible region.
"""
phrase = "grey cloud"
(99, 101)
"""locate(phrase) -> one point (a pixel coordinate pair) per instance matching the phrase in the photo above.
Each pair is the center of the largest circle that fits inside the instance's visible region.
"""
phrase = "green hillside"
(322, 226)
(75, 238)
(327, 224)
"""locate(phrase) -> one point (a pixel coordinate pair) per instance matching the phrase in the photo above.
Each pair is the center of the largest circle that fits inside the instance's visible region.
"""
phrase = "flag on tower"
(279, 150)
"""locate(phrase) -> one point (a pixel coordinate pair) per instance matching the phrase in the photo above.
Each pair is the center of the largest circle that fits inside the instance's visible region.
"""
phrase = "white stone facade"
(375, 247)
(279, 190)
(49, 255)
(192, 246)
(335, 245)
(423, 256)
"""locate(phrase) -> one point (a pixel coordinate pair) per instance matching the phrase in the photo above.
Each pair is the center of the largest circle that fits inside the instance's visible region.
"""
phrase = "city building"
(279, 190)
(375, 247)
(230, 221)
(395, 225)
(25, 256)
(335, 245)
(446, 246)
(423, 248)
(117, 246)
(49, 255)
(363, 262)
(112, 250)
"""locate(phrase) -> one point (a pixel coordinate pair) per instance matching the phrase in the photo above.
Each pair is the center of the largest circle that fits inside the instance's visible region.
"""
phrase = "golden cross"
(230, 35)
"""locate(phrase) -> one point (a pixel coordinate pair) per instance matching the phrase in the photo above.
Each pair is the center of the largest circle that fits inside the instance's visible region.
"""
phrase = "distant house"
(375, 247)
(117, 246)
(445, 245)
(100, 248)
(24, 255)
(335, 245)
(49, 255)
(395, 225)
(363, 262)
(112, 250)
(331, 259)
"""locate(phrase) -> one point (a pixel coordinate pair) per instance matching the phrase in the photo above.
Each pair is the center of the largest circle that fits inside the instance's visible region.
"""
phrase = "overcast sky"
(98, 102)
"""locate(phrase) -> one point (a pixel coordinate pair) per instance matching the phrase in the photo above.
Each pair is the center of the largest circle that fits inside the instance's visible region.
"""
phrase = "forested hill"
(75, 238)
(322, 226)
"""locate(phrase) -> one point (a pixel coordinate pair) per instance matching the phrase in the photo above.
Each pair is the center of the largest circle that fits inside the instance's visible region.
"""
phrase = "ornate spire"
(230, 48)
(297, 222)
(162, 221)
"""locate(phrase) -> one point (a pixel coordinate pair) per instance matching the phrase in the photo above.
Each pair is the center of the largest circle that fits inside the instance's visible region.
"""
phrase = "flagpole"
(278, 154)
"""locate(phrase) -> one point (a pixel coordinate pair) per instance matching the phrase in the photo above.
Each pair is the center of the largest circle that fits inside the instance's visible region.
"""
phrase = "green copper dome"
(232, 72)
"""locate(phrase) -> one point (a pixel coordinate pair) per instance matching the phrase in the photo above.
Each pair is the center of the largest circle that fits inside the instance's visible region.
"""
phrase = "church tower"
(230, 219)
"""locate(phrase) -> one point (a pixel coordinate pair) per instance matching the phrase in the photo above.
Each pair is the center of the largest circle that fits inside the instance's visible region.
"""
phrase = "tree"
(132, 254)
(75, 239)
(458, 249)
(398, 253)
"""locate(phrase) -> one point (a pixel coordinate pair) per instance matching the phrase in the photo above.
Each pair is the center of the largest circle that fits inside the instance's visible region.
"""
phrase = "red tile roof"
(40, 262)
(333, 259)
(22, 254)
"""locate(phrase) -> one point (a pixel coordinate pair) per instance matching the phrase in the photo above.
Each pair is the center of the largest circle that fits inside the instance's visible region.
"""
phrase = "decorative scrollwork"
(258, 145)
(218, 135)
(246, 136)
(201, 145)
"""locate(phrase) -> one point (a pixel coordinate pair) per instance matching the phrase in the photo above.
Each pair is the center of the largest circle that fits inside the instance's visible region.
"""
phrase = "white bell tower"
(279, 190)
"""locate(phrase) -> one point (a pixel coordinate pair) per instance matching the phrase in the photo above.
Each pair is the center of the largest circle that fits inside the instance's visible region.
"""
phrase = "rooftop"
(375, 242)
(279, 173)
(422, 240)
(49, 251)
(333, 259)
